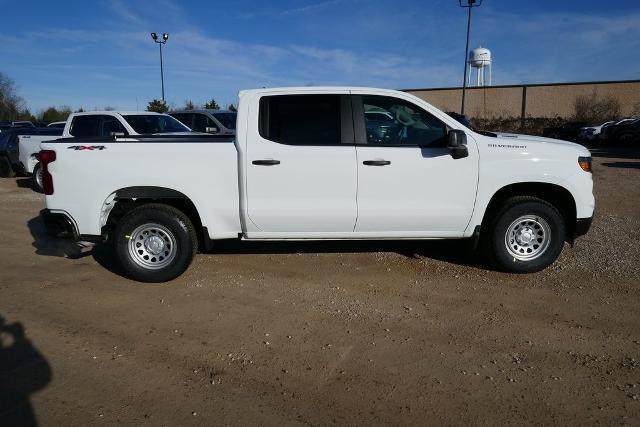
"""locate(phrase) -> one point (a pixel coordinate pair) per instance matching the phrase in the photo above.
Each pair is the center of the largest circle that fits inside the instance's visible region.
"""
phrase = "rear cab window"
(301, 119)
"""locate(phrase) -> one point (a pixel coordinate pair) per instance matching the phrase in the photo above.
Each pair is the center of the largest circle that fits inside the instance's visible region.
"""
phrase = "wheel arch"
(121, 201)
(554, 194)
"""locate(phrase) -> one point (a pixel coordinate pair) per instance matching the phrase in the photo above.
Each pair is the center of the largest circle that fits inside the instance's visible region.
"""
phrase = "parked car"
(567, 131)
(592, 133)
(303, 166)
(623, 131)
(221, 122)
(9, 148)
(28, 149)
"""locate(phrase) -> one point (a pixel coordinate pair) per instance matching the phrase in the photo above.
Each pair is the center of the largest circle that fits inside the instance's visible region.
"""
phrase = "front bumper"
(582, 226)
(59, 224)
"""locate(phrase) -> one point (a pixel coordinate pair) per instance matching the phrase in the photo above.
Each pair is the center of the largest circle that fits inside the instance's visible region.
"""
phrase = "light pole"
(165, 37)
(469, 4)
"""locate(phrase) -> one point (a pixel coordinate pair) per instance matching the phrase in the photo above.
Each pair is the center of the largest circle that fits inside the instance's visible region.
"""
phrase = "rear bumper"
(582, 226)
(59, 224)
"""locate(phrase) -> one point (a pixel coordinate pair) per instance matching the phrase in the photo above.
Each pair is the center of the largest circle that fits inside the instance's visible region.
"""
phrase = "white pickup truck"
(320, 163)
(93, 124)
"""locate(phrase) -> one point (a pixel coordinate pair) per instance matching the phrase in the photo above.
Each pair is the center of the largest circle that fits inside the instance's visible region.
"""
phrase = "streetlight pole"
(469, 4)
(165, 37)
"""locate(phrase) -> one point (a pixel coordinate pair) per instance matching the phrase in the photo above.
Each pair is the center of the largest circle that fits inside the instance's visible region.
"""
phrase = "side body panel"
(311, 190)
(206, 173)
(422, 191)
(523, 159)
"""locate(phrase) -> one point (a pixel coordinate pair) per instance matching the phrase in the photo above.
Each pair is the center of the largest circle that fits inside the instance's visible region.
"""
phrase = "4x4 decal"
(87, 147)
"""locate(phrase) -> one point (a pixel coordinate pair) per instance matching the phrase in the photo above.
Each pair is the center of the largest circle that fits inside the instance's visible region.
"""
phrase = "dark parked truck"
(568, 131)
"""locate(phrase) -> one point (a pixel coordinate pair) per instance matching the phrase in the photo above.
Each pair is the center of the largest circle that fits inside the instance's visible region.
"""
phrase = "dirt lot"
(326, 333)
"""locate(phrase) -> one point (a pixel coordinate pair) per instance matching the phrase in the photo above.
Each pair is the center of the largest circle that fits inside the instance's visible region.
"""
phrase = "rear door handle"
(266, 162)
(376, 162)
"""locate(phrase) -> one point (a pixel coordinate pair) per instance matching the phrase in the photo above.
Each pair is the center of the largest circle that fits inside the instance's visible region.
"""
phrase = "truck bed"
(88, 173)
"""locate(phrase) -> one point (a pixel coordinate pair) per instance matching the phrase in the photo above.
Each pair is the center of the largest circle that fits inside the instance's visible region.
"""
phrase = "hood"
(541, 142)
(532, 138)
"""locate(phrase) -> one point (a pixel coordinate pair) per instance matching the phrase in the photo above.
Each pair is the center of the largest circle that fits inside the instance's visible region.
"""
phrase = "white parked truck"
(316, 163)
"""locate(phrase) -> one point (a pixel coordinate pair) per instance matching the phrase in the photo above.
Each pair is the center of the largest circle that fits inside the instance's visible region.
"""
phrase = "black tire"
(6, 171)
(537, 233)
(174, 234)
(36, 178)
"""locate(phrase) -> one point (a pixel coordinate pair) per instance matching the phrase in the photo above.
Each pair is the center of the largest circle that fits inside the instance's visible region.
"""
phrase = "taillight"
(46, 157)
(585, 163)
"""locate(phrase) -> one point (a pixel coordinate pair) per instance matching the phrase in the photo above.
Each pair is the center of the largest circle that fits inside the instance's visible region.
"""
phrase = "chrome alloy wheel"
(152, 246)
(528, 237)
(39, 178)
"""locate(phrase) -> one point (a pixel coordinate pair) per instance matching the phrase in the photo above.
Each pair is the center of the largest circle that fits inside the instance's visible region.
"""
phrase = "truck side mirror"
(457, 143)
(211, 129)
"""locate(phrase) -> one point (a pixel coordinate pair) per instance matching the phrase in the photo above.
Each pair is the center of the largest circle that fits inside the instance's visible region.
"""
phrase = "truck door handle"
(376, 162)
(266, 162)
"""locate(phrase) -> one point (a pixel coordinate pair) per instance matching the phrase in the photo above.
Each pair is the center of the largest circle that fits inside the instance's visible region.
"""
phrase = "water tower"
(479, 59)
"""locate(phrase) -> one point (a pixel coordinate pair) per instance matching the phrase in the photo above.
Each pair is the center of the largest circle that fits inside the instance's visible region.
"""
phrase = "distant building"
(546, 100)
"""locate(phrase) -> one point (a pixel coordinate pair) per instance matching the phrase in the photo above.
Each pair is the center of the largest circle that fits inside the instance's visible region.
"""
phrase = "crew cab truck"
(314, 163)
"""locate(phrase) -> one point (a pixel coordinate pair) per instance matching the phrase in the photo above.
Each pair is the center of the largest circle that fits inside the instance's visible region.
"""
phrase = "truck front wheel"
(526, 236)
(155, 243)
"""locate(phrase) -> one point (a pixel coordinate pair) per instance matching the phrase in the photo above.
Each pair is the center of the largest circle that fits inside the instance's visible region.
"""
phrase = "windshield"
(228, 120)
(152, 123)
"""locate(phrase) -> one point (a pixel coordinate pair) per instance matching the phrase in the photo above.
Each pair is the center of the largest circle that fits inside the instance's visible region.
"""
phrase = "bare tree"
(594, 109)
(11, 105)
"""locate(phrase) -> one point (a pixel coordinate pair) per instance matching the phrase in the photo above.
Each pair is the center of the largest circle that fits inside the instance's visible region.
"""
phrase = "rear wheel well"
(556, 195)
(130, 198)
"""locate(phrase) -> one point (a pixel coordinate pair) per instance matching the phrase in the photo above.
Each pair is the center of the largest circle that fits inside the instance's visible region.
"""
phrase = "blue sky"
(99, 53)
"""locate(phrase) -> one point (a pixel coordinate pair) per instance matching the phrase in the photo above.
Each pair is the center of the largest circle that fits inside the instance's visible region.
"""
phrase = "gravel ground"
(325, 333)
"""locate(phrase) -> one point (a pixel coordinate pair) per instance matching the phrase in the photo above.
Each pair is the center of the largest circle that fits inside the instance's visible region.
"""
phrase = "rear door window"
(301, 119)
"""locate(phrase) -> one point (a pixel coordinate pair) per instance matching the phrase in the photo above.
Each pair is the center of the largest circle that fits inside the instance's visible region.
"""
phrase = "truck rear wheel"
(526, 236)
(155, 243)
(37, 177)
(6, 171)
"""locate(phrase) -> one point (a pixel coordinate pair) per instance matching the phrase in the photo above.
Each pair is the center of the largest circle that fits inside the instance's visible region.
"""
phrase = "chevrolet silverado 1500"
(320, 163)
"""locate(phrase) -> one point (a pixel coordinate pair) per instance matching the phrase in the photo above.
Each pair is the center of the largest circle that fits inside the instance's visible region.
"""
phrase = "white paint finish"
(516, 159)
(205, 172)
(28, 147)
(422, 190)
(312, 193)
(313, 189)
